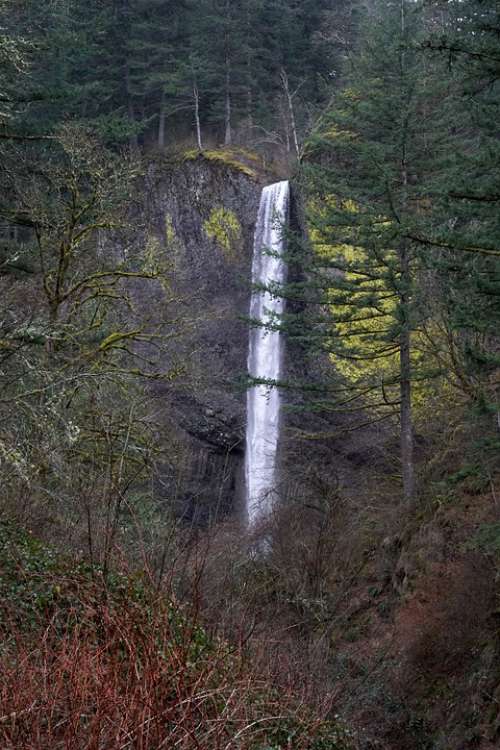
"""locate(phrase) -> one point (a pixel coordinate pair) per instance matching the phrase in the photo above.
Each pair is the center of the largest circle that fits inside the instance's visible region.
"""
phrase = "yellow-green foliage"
(155, 262)
(233, 158)
(367, 331)
(224, 227)
(334, 133)
(170, 234)
(370, 332)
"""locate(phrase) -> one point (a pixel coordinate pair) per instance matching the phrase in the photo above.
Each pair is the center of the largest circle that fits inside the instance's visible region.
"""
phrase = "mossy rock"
(236, 159)
(223, 227)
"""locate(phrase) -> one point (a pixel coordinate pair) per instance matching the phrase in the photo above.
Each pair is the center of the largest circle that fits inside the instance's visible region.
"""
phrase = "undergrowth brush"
(89, 663)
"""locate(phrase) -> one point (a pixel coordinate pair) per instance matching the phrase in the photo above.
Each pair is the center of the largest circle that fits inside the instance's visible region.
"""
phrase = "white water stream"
(264, 355)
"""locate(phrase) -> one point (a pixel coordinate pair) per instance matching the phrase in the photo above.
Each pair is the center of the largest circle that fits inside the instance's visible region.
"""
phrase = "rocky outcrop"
(201, 215)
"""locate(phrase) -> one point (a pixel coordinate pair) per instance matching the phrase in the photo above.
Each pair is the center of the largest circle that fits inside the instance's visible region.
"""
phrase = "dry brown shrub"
(441, 623)
(142, 677)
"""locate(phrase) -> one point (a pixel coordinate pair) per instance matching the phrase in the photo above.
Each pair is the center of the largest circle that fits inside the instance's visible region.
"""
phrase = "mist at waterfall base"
(265, 355)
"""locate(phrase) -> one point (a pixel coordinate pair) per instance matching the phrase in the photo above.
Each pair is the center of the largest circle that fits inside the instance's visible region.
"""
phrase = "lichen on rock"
(223, 226)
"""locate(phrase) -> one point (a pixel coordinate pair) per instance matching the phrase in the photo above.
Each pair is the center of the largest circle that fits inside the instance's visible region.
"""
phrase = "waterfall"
(264, 355)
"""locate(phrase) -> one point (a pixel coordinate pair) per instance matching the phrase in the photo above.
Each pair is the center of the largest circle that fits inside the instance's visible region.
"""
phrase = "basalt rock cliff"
(201, 212)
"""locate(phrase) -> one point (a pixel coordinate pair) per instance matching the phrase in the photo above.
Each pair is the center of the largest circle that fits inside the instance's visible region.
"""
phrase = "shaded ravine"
(265, 354)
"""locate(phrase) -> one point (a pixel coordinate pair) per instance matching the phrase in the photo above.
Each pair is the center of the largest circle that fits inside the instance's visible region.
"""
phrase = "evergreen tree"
(462, 227)
(158, 47)
(296, 64)
(363, 181)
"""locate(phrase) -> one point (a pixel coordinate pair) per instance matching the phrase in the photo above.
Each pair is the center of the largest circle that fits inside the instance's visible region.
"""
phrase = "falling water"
(264, 355)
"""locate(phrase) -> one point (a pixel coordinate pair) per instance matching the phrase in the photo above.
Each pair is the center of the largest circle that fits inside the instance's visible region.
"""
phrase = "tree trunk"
(286, 127)
(196, 98)
(133, 140)
(406, 438)
(162, 121)
(291, 111)
(249, 74)
(228, 137)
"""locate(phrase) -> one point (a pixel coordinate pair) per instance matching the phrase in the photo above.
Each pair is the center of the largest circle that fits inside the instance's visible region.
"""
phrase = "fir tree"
(461, 229)
(362, 181)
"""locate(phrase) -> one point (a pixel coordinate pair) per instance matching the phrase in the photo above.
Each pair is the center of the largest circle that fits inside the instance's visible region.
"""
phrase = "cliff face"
(202, 214)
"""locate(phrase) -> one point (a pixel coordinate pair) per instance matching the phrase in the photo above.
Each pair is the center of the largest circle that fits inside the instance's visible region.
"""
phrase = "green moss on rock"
(236, 159)
(170, 234)
(223, 226)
